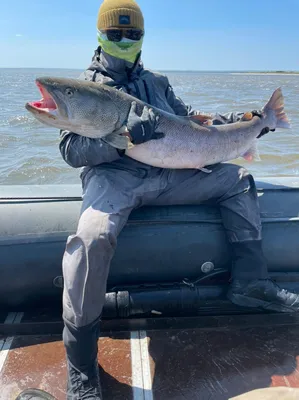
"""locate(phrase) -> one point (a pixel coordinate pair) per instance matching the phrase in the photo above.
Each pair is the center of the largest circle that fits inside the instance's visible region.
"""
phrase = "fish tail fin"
(276, 104)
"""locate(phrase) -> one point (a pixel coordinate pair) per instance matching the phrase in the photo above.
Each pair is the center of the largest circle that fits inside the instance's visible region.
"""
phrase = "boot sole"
(34, 394)
(250, 302)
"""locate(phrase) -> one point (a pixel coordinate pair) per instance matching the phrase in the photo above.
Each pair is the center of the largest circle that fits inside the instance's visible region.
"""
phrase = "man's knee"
(233, 170)
(88, 252)
(91, 240)
(97, 229)
(246, 180)
(236, 180)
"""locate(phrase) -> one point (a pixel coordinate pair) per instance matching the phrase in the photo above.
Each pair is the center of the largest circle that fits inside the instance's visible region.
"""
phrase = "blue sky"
(185, 34)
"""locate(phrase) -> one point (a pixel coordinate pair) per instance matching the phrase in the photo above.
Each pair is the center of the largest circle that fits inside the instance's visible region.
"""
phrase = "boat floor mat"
(183, 363)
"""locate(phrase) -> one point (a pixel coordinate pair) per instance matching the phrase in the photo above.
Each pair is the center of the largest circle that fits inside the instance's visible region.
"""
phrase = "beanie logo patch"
(124, 20)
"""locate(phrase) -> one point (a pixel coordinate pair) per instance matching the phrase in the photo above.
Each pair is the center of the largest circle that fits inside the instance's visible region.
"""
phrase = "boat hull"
(159, 244)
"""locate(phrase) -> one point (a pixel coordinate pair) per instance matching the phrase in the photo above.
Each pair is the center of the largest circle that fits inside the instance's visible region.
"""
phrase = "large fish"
(95, 110)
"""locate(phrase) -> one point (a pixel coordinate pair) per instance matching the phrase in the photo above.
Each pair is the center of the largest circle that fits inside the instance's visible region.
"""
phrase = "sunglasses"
(116, 35)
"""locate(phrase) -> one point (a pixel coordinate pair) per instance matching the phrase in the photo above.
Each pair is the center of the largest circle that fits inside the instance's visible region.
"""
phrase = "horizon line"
(172, 70)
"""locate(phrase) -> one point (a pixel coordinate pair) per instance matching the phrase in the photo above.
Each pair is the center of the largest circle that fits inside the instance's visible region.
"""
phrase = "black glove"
(264, 131)
(257, 113)
(141, 129)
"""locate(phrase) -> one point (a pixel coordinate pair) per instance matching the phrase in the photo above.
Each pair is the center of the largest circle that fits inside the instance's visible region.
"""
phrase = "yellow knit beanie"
(120, 14)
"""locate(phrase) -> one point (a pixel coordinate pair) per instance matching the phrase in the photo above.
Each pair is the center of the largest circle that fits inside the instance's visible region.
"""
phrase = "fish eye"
(69, 92)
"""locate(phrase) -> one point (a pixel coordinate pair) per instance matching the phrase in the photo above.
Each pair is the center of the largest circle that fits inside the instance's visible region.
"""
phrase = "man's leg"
(105, 210)
(233, 189)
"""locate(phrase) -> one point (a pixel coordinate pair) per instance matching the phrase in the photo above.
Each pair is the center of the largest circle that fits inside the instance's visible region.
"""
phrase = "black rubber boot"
(249, 262)
(82, 365)
(83, 385)
(251, 286)
(263, 293)
(34, 394)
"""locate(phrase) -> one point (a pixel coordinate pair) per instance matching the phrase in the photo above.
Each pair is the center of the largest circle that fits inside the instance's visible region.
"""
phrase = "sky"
(179, 34)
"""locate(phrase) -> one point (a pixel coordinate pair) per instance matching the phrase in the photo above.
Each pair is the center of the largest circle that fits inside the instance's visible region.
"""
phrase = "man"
(113, 185)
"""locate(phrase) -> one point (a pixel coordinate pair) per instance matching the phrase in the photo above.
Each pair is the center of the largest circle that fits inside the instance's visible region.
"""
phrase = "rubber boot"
(34, 394)
(251, 285)
(249, 262)
(83, 385)
(81, 345)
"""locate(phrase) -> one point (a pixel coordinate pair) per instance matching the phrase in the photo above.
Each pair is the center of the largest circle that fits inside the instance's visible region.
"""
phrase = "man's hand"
(264, 131)
(141, 129)
(257, 113)
(202, 119)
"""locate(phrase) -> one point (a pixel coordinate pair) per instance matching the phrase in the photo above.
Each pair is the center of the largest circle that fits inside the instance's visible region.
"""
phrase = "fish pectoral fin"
(118, 140)
(205, 170)
(252, 154)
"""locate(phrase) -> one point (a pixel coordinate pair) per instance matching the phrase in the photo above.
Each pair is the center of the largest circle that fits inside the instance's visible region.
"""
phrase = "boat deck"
(188, 359)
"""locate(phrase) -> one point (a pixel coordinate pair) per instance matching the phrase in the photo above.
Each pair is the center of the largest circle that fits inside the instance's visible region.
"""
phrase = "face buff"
(126, 49)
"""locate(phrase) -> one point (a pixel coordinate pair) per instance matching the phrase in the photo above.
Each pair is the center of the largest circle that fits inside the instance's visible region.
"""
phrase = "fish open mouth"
(46, 105)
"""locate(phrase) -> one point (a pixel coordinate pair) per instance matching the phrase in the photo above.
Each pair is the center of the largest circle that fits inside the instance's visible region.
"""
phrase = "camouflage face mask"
(126, 49)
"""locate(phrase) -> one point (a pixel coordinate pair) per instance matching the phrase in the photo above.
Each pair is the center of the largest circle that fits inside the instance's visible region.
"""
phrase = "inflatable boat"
(169, 259)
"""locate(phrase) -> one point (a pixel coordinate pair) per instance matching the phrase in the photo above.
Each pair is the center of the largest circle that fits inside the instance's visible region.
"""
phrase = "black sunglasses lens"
(114, 35)
(133, 34)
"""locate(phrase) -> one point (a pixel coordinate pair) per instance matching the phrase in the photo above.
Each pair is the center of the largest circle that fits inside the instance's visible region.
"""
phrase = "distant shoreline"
(230, 72)
(266, 73)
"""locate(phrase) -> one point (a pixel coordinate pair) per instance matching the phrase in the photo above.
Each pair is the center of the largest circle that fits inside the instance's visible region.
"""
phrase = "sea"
(30, 150)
